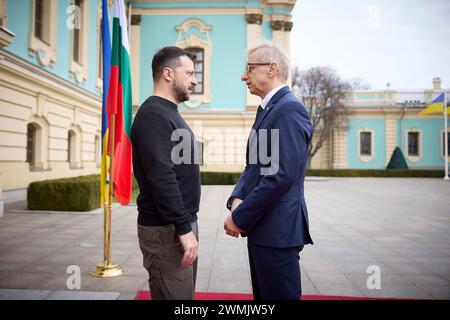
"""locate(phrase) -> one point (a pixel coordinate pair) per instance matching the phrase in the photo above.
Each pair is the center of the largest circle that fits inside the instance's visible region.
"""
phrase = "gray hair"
(269, 52)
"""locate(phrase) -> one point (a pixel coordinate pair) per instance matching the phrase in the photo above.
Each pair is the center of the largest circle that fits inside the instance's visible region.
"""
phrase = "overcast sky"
(403, 42)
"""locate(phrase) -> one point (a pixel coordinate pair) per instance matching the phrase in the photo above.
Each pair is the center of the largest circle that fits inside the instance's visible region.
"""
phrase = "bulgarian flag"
(119, 104)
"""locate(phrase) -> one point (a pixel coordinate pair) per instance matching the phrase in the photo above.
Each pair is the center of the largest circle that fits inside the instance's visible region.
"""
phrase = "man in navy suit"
(267, 204)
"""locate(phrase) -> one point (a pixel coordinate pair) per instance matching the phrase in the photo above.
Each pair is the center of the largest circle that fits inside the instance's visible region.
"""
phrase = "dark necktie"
(259, 112)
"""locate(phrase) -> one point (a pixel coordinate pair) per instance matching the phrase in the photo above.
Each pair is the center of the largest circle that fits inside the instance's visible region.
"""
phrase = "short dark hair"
(168, 57)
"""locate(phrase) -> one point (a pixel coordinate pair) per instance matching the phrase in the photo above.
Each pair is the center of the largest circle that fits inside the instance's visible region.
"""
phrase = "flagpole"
(445, 137)
(107, 268)
(107, 242)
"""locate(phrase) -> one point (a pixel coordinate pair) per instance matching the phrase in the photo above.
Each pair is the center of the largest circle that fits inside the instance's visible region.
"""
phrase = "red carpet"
(145, 295)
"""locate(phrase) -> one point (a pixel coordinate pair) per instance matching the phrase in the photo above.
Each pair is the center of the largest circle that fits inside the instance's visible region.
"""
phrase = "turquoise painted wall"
(229, 42)
(202, 4)
(266, 30)
(196, 4)
(19, 23)
(431, 141)
(378, 127)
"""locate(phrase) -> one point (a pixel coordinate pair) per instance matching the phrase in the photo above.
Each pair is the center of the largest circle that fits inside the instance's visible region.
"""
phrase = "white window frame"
(74, 154)
(414, 158)
(98, 150)
(194, 41)
(99, 71)
(442, 143)
(3, 15)
(40, 156)
(78, 70)
(366, 158)
(6, 36)
(45, 52)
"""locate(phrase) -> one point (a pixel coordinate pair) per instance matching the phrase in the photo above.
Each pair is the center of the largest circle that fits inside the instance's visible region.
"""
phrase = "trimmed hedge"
(219, 178)
(83, 193)
(68, 194)
(230, 178)
(391, 173)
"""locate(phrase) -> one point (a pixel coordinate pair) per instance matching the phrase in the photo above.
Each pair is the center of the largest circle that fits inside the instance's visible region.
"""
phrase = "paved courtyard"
(397, 229)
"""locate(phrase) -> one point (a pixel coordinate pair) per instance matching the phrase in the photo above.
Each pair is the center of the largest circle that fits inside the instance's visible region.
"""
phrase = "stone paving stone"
(400, 225)
(332, 289)
(22, 279)
(21, 294)
(83, 295)
(440, 292)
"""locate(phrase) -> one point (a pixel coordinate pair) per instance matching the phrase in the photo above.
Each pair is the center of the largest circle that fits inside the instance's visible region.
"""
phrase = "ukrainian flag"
(437, 106)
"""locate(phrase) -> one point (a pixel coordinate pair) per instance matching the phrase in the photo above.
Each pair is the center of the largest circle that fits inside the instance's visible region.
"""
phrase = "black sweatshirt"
(169, 192)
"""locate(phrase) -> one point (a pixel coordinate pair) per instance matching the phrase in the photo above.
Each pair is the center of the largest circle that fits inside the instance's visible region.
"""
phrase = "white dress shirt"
(269, 96)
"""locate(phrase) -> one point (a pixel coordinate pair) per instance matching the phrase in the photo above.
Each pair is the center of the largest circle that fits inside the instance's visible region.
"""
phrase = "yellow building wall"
(31, 96)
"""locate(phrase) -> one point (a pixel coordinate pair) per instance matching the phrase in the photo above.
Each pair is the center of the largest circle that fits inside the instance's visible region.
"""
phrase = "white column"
(1, 196)
(339, 150)
(287, 46)
(281, 36)
(135, 49)
(254, 36)
(391, 137)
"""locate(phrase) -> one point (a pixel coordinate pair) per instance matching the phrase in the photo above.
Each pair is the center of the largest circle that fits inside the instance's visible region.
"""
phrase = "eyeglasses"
(249, 64)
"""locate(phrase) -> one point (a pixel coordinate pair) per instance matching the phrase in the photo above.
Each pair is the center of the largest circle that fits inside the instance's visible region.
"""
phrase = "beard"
(181, 94)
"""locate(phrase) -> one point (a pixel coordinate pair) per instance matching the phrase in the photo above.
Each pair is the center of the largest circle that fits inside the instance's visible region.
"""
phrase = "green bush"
(391, 173)
(230, 178)
(219, 178)
(397, 160)
(69, 194)
(134, 184)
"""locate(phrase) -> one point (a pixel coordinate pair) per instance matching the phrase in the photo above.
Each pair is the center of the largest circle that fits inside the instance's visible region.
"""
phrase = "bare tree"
(323, 92)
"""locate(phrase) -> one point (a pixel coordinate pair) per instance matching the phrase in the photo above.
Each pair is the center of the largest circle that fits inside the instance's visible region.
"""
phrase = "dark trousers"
(162, 253)
(275, 272)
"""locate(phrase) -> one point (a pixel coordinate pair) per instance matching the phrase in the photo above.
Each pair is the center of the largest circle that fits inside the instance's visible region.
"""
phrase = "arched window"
(193, 36)
(97, 151)
(71, 144)
(31, 144)
(198, 152)
(199, 65)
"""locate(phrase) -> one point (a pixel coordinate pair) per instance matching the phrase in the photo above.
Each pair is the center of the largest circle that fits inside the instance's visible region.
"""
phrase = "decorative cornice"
(288, 26)
(187, 11)
(136, 19)
(184, 27)
(277, 25)
(253, 18)
(6, 37)
(26, 69)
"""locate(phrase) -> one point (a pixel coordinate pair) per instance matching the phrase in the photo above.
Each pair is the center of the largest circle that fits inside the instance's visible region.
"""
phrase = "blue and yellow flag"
(106, 50)
(437, 106)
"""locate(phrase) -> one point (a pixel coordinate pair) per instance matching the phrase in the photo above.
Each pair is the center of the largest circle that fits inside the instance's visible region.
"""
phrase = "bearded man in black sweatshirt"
(165, 167)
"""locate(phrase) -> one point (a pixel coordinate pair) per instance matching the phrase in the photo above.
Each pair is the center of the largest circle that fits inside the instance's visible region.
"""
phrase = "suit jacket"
(273, 212)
